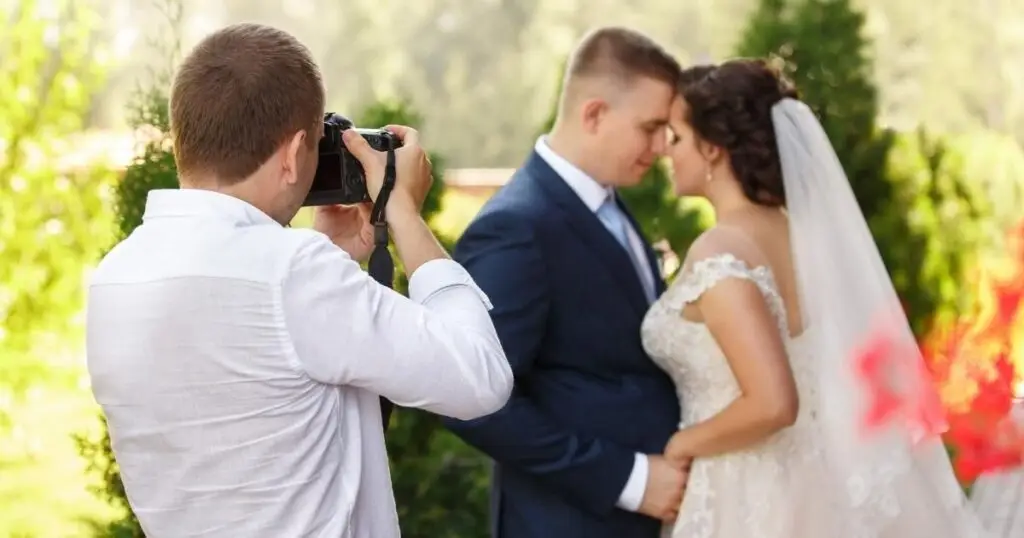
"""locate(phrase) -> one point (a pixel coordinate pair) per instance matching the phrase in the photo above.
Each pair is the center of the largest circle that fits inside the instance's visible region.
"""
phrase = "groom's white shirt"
(238, 363)
(593, 194)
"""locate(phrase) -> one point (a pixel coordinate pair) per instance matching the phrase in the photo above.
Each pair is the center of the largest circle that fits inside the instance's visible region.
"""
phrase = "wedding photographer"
(241, 363)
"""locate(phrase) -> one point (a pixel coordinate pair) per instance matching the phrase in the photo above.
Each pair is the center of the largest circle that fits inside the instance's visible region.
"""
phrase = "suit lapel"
(587, 226)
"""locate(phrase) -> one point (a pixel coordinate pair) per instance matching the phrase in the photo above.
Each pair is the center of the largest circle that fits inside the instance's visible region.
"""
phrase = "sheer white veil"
(846, 295)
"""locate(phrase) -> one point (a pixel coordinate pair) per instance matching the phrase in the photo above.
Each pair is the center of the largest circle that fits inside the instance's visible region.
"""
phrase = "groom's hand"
(665, 485)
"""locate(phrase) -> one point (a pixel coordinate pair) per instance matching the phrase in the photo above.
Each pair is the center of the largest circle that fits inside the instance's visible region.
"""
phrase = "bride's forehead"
(680, 113)
(679, 107)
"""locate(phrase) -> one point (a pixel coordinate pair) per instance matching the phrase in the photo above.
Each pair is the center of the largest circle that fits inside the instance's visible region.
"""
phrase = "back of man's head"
(240, 94)
(611, 59)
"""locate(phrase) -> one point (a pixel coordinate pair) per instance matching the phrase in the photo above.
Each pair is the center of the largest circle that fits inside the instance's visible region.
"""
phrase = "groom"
(577, 448)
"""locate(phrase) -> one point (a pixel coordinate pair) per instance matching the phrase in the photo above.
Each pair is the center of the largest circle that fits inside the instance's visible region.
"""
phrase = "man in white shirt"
(239, 361)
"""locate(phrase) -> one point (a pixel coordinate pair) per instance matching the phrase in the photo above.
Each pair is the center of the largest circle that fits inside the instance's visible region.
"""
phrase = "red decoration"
(917, 404)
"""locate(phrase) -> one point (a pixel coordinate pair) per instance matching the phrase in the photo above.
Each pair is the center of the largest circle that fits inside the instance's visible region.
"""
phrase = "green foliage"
(996, 165)
(51, 214)
(942, 223)
(908, 192)
(53, 223)
(827, 56)
(440, 484)
(96, 450)
(153, 168)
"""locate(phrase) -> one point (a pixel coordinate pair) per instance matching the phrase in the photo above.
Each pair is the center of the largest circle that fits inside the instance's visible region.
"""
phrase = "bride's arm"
(739, 319)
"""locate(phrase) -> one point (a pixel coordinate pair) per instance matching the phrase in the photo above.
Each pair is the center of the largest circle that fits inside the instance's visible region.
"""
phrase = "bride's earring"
(707, 175)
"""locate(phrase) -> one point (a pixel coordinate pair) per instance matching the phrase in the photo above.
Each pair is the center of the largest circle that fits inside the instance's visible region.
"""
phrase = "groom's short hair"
(622, 55)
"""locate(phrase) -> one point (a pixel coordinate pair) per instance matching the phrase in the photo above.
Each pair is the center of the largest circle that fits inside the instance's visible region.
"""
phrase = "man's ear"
(592, 112)
(293, 150)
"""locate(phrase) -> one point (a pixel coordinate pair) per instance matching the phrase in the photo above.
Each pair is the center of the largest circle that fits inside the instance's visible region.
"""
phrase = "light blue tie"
(615, 220)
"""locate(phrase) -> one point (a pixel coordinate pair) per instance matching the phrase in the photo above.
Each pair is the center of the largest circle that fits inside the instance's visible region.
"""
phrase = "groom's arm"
(500, 252)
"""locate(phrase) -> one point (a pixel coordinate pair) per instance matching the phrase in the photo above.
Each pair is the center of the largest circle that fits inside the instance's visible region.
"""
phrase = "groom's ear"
(592, 112)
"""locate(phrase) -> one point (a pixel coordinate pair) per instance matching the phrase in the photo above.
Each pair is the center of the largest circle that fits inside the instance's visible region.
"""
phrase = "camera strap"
(381, 266)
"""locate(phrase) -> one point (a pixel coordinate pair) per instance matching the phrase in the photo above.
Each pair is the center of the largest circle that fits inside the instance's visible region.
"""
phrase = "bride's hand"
(677, 452)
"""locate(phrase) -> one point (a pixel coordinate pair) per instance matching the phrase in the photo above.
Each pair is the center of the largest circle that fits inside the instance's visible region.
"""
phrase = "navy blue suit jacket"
(567, 307)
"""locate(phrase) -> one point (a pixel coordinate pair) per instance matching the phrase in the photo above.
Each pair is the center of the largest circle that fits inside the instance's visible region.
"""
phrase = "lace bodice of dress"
(688, 352)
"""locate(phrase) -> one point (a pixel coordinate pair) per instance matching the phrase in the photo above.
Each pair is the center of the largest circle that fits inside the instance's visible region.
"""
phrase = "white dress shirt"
(593, 194)
(239, 364)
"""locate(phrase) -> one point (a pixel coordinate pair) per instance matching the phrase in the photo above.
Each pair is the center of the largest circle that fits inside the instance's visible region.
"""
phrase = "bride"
(759, 329)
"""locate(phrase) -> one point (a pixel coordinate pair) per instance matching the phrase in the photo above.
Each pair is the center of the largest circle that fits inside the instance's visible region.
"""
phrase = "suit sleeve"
(502, 255)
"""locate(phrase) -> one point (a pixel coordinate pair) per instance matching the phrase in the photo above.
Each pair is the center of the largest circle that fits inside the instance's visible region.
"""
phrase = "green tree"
(906, 191)
(53, 222)
(153, 168)
(827, 56)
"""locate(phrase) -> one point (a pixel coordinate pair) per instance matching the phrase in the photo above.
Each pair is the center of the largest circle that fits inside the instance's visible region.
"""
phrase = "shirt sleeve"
(436, 350)
(633, 493)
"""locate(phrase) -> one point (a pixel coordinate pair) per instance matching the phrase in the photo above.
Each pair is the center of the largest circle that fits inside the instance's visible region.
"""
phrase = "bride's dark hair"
(730, 106)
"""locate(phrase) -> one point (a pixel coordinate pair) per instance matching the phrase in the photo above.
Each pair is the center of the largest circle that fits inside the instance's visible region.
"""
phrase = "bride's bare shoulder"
(723, 241)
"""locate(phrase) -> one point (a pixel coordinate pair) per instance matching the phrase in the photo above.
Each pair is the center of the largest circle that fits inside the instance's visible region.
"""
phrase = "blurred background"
(924, 102)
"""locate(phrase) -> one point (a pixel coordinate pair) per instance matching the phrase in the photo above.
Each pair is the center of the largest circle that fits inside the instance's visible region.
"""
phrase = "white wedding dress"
(782, 487)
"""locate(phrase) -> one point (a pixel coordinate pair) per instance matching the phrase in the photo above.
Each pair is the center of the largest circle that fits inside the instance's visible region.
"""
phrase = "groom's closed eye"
(653, 125)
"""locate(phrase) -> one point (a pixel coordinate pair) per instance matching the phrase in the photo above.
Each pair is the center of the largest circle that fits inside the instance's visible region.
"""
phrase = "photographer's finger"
(407, 135)
(360, 148)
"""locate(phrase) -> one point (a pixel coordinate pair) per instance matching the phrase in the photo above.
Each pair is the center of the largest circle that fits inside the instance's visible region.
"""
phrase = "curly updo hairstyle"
(730, 106)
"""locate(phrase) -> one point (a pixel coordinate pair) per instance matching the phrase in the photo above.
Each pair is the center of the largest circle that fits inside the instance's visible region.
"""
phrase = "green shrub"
(906, 184)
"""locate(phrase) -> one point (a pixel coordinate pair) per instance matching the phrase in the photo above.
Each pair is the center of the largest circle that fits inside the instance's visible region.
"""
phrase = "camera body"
(339, 177)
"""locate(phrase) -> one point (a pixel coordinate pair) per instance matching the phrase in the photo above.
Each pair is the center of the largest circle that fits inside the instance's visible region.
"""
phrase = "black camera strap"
(381, 266)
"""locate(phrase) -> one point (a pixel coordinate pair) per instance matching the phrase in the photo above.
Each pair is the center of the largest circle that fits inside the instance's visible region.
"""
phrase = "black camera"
(339, 177)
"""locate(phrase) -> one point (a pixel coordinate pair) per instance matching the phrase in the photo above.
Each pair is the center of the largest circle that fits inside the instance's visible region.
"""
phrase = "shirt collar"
(164, 203)
(592, 193)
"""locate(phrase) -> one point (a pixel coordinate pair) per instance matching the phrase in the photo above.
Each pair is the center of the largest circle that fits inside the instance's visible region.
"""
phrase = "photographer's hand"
(415, 242)
(412, 169)
(348, 227)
